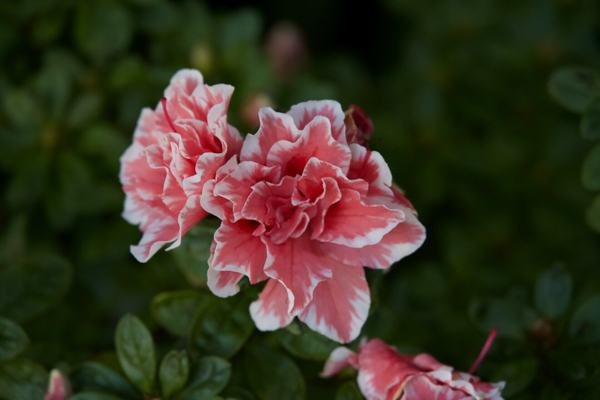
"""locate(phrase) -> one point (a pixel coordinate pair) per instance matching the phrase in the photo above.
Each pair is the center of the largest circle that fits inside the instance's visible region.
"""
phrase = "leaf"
(193, 253)
(21, 379)
(590, 173)
(174, 371)
(553, 292)
(576, 367)
(273, 376)
(348, 391)
(222, 327)
(518, 375)
(175, 311)
(94, 377)
(135, 350)
(574, 87)
(208, 377)
(32, 286)
(585, 325)
(307, 344)
(590, 122)
(84, 109)
(93, 396)
(13, 339)
(103, 28)
(501, 314)
(593, 214)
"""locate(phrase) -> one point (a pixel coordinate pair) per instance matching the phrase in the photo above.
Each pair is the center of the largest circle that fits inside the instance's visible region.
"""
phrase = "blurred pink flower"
(286, 49)
(58, 387)
(306, 210)
(383, 374)
(176, 149)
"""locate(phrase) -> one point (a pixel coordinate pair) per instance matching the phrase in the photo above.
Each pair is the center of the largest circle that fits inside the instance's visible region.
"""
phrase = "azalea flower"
(176, 149)
(58, 387)
(305, 209)
(384, 374)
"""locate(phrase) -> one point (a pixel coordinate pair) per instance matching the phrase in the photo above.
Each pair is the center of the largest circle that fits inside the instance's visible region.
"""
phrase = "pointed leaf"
(307, 344)
(208, 377)
(13, 339)
(575, 87)
(94, 377)
(585, 325)
(175, 311)
(174, 371)
(22, 379)
(135, 350)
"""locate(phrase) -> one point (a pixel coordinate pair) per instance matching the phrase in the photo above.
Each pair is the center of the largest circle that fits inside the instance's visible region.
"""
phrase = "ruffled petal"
(270, 311)
(339, 358)
(422, 387)
(299, 265)
(340, 305)
(304, 113)
(223, 283)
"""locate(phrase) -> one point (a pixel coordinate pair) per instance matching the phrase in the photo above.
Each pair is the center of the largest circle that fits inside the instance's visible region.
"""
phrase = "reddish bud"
(359, 126)
(59, 387)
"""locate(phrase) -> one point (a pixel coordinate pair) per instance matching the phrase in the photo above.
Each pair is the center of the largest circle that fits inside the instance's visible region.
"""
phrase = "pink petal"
(422, 388)
(299, 265)
(316, 141)
(369, 166)
(400, 242)
(274, 127)
(381, 368)
(190, 215)
(223, 283)
(270, 311)
(217, 205)
(350, 222)
(184, 81)
(339, 305)
(238, 250)
(304, 113)
(266, 197)
(339, 358)
(237, 186)
(59, 387)
(158, 231)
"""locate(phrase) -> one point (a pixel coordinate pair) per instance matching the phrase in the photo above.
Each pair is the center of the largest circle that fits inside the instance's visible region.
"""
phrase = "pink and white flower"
(176, 149)
(306, 209)
(59, 387)
(384, 374)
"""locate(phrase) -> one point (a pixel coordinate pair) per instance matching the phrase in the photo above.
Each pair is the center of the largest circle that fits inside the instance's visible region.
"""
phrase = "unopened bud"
(59, 387)
(286, 48)
(359, 126)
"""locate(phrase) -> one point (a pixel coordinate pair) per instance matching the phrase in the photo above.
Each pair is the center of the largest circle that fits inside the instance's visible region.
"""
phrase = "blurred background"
(458, 94)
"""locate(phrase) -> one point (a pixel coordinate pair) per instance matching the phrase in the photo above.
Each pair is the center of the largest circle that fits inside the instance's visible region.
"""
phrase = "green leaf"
(501, 314)
(590, 122)
(222, 327)
(575, 87)
(576, 367)
(307, 344)
(553, 292)
(518, 375)
(94, 377)
(273, 376)
(135, 349)
(593, 214)
(590, 173)
(585, 325)
(31, 287)
(93, 396)
(193, 253)
(103, 28)
(84, 109)
(175, 311)
(348, 391)
(21, 379)
(208, 377)
(174, 371)
(13, 339)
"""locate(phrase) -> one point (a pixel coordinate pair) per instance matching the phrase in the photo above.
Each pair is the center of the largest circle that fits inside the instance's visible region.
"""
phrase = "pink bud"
(252, 106)
(286, 48)
(359, 126)
(59, 387)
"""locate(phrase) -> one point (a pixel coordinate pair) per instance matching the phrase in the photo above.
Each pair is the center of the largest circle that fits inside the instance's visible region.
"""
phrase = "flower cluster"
(384, 374)
(304, 205)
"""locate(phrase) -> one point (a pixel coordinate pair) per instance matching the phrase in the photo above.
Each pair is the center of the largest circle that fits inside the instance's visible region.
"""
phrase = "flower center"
(295, 166)
(486, 347)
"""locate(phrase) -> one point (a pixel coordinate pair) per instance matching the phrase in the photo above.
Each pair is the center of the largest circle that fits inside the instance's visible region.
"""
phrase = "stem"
(486, 347)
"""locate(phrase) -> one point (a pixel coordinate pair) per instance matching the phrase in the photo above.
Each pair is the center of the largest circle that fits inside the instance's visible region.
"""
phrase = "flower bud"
(286, 49)
(59, 387)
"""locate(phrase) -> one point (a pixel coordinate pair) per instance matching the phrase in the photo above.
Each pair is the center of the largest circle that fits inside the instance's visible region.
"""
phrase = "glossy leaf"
(575, 87)
(175, 311)
(348, 391)
(590, 173)
(173, 372)
(585, 325)
(32, 286)
(22, 379)
(94, 377)
(553, 292)
(273, 376)
(306, 344)
(193, 253)
(13, 339)
(223, 326)
(207, 378)
(135, 349)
